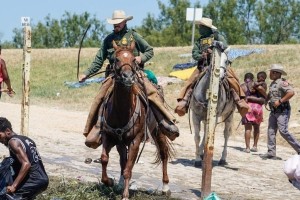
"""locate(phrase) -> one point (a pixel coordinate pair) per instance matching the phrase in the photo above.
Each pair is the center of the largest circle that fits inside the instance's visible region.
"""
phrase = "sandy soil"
(58, 136)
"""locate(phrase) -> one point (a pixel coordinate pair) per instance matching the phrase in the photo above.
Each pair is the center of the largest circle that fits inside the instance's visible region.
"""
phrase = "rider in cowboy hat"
(143, 52)
(202, 53)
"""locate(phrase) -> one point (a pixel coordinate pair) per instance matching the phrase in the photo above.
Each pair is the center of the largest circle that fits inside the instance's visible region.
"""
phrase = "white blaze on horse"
(225, 110)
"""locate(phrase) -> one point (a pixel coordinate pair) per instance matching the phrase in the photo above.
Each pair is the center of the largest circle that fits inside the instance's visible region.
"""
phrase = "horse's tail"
(164, 148)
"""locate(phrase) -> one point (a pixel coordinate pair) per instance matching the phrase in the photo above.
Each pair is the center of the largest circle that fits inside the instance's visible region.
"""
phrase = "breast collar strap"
(120, 131)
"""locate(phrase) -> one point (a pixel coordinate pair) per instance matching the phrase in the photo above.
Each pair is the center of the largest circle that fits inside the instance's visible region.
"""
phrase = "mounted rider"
(142, 52)
(202, 53)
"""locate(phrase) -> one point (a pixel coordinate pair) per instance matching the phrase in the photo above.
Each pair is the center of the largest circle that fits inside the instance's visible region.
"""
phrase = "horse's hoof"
(166, 193)
(121, 181)
(97, 160)
(109, 182)
(198, 163)
(202, 157)
(222, 163)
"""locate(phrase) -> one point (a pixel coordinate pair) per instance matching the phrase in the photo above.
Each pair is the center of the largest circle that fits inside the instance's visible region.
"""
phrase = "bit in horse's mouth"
(128, 82)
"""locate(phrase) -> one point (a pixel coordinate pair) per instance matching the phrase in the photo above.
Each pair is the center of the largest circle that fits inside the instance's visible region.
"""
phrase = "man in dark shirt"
(29, 175)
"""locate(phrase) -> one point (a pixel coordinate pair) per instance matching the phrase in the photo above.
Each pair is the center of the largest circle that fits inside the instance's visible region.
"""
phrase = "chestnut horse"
(124, 121)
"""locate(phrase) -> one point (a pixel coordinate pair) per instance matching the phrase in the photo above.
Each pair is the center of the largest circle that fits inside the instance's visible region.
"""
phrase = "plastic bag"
(5, 174)
(212, 196)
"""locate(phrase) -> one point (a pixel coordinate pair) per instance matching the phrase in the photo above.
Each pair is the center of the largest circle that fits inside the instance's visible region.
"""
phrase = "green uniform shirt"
(204, 42)
(107, 51)
(278, 89)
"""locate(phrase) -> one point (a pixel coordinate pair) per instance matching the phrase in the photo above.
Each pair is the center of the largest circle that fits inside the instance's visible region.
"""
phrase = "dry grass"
(73, 189)
(51, 67)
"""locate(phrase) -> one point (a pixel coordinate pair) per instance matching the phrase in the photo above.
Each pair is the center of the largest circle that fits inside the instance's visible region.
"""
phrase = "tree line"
(240, 21)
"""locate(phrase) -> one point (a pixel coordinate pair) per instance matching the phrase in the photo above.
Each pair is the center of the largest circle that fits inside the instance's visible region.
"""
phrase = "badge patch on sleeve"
(285, 83)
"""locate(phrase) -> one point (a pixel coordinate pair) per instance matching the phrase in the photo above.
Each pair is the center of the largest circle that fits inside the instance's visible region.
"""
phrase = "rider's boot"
(242, 106)
(167, 127)
(93, 139)
(183, 104)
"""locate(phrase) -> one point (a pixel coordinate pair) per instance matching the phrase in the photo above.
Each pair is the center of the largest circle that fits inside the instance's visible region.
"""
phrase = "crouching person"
(29, 177)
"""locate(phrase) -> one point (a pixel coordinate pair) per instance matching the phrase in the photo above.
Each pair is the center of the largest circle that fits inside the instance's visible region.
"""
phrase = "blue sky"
(12, 11)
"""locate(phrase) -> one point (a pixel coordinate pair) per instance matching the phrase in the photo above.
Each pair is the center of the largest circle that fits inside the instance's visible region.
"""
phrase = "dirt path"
(60, 142)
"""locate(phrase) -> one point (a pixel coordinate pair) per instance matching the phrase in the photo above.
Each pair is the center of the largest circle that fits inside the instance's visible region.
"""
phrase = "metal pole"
(211, 124)
(26, 81)
(193, 31)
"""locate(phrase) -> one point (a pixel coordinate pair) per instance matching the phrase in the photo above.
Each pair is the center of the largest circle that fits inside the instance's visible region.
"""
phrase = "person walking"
(280, 93)
(253, 118)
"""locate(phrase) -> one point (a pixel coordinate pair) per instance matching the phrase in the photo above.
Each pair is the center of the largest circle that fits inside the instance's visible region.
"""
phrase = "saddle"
(224, 91)
(95, 119)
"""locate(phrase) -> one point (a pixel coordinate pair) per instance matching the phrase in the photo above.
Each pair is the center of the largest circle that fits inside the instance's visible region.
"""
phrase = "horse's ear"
(132, 45)
(115, 46)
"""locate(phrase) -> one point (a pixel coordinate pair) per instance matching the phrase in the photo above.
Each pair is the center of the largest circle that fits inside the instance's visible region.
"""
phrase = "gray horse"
(225, 109)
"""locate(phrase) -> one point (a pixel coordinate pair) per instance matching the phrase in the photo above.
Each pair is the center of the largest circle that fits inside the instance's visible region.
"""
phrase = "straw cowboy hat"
(277, 68)
(119, 16)
(206, 22)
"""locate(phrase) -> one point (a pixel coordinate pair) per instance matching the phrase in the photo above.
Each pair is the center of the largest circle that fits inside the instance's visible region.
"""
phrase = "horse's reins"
(137, 108)
(80, 45)
(193, 96)
(147, 111)
(92, 75)
(139, 105)
(205, 104)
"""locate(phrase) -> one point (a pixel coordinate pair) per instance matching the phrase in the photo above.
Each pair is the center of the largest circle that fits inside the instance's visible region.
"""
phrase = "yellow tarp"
(183, 74)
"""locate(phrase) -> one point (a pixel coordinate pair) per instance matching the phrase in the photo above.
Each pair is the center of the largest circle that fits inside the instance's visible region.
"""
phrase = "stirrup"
(169, 130)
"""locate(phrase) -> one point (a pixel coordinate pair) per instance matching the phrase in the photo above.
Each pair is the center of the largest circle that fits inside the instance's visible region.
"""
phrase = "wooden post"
(26, 81)
(211, 123)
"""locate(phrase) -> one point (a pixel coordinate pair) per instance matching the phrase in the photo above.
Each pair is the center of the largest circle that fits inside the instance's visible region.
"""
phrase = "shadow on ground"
(186, 162)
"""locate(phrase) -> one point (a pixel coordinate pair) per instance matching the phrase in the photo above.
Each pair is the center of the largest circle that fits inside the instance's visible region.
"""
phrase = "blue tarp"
(151, 76)
(236, 53)
(85, 83)
(232, 55)
(184, 65)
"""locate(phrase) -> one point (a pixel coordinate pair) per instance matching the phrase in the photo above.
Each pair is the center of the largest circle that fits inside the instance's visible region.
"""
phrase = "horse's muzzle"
(128, 78)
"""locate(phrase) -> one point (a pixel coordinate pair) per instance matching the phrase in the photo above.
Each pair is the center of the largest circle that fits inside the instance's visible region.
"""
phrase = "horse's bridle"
(127, 81)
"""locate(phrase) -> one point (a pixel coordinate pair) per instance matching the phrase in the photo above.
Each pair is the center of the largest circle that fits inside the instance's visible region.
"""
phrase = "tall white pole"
(193, 31)
(26, 81)
(211, 123)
